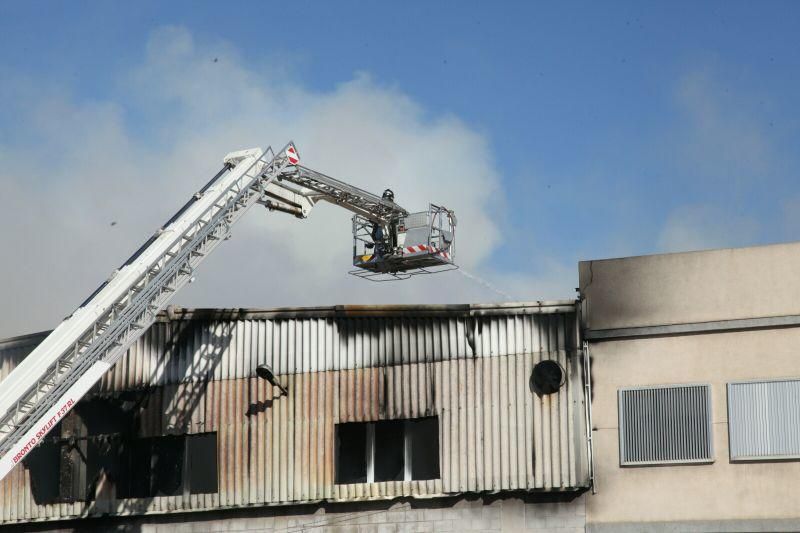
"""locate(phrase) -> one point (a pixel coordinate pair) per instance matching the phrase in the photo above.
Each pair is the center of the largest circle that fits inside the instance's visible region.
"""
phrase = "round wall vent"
(547, 377)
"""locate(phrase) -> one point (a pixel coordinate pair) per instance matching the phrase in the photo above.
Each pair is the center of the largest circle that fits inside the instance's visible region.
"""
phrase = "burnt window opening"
(57, 468)
(166, 475)
(424, 441)
(101, 415)
(75, 473)
(82, 448)
(43, 467)
(169, 465)
(201, 450)
(387, 450)
(104, 457)
(351, 453)
(136, 468)
(67, 470)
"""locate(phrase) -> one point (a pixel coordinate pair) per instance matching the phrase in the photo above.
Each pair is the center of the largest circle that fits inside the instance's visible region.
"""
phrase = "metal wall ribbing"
(198, 348)
(764, 419)
(665, 424)
(470, 367)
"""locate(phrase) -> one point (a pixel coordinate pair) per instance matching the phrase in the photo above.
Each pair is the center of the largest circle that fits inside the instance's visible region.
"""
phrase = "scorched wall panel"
(194, 372)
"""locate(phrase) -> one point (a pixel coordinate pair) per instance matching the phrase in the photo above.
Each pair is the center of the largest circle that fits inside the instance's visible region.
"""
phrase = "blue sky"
(618, 128)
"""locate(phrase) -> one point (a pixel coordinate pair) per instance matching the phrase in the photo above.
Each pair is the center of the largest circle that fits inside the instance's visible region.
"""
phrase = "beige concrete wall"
(760, 281)
(719, 492)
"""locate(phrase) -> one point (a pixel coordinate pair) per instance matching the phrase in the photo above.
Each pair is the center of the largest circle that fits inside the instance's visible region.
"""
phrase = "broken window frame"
(61, 485)
(407, 450)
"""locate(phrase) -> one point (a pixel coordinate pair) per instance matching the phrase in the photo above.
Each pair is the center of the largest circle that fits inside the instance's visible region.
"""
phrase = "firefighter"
(377, 234)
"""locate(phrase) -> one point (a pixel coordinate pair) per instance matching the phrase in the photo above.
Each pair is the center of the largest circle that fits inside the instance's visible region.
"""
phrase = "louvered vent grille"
(764, 419)
(662, 425)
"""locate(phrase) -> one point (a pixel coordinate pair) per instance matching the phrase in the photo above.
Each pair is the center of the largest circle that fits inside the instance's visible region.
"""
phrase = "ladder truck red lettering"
(388, 243)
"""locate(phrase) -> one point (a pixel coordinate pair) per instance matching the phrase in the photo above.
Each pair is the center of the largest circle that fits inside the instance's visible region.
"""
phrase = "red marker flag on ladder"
(291, 154)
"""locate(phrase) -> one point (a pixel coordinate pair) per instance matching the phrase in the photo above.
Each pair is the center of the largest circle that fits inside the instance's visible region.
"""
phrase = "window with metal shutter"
(764, 420)
(665, 425)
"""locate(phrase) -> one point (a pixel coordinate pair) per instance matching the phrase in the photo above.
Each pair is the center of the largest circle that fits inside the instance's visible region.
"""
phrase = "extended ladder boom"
(330, 189)
(48, 383)
(45, 386)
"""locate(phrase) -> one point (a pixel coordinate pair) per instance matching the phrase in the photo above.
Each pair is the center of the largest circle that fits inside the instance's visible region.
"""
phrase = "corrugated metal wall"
(12, 351)
(469, 365)
(764, 419)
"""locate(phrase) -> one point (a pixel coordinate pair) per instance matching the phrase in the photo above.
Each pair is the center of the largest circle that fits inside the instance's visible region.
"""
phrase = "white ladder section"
(48, 383)
(317, 186)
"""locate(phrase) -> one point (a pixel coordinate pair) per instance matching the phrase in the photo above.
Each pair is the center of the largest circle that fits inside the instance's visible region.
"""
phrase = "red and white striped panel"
(291, 154)
(416, 249)
(425, 248)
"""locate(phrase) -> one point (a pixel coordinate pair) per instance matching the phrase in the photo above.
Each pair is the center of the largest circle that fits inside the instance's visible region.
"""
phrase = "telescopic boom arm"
(48, 383)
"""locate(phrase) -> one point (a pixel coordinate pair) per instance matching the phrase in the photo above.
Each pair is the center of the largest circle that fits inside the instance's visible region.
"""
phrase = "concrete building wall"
(627, 294)
(734, 283)
(719, 491)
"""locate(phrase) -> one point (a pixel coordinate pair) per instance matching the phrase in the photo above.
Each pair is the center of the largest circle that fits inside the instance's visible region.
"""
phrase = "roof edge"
(172, 313)
(534, 307)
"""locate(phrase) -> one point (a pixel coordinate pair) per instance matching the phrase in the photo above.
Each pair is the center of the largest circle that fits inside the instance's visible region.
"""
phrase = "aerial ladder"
(388, 243)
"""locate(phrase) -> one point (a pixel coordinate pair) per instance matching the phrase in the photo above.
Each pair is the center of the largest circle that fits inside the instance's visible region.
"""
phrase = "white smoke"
(88, 181)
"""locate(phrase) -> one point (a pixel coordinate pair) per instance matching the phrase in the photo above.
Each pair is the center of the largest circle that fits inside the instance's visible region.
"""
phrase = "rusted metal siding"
(471, 368)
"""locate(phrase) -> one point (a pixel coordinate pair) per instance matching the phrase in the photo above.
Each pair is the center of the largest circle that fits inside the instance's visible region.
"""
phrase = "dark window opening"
(136, 468)
(68, 470)
(81, 449)
(101, 416)
(424, 440)
(75, 481)
(43, 467)
(351, 453)
(103, 456)
(387, 450)
(202, 452)
(169, 466)
(167, 461)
